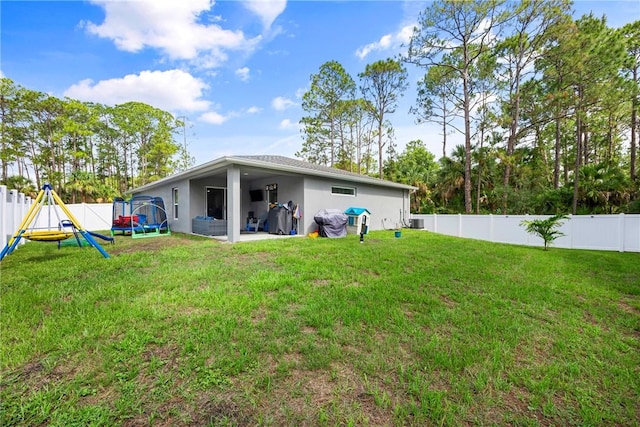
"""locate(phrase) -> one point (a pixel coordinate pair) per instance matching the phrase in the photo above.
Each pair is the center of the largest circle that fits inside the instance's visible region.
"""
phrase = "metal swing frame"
(49, 197)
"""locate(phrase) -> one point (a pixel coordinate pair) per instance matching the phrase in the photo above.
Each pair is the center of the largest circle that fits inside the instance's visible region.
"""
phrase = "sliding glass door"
(217, 202)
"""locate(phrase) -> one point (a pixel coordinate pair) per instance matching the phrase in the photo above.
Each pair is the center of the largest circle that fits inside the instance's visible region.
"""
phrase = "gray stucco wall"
(390, 205)
(198, 202)
(195, 200)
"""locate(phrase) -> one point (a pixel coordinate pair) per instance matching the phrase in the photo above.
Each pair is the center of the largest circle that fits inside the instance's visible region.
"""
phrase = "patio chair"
(253, 224)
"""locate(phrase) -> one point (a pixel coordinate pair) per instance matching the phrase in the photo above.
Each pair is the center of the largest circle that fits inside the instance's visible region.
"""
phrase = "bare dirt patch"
(338, 392)
(255, 260)
(308, 330)
(408, 313)
(371, 272)
(292, 358)
(535, 351)
(36, 376)
(590, 319)
(628, 308)
(167, 353)
(126, 244)
(223, 411)
(259, 315)
(515, 401)
(447, 301)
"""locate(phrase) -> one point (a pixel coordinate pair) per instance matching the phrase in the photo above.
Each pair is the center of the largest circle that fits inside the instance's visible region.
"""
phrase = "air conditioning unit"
(417, 223)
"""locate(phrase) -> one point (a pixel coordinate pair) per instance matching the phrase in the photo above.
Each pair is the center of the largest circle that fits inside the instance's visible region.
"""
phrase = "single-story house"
(235, 188)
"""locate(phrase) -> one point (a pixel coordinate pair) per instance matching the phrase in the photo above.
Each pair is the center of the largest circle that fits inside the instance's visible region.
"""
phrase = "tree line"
(547, 107)
(86, 151)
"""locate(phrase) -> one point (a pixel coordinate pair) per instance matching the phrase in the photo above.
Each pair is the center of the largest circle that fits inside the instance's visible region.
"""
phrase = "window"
(174, 200)
(345, 191)
(272, 193)
(273, 196)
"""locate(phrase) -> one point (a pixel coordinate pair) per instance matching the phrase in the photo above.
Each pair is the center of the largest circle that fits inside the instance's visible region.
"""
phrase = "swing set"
(64, 229)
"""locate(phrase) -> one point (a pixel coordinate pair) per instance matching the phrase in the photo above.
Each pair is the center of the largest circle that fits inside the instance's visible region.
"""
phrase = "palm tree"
(451, 179)
(603, 186)
(83, 183)
(22, 184)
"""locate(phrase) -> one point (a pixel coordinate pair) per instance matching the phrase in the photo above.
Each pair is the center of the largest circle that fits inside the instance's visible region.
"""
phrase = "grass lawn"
(421, 330)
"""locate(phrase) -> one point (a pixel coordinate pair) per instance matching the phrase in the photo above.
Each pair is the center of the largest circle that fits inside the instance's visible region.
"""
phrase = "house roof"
(274, 164)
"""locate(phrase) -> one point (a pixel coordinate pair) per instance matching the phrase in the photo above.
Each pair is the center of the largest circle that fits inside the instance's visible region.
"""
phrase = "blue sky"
(235, 69)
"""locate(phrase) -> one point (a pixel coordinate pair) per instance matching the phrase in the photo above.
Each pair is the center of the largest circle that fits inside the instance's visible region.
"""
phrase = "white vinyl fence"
(598, 232)
(15, 205)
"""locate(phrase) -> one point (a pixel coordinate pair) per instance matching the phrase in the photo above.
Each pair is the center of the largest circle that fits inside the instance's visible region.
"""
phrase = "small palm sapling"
(547, 229)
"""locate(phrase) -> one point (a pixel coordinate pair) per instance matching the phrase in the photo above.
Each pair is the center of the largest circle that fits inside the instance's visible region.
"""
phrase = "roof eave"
(196, 171)
(211, 166)
(303, 171)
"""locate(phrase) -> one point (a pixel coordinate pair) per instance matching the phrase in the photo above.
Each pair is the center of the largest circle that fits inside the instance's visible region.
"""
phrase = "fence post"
(459, 225)
(14, 207)
(3, 216)
(621, 233)
(491, 239)
(22, 199)
(571, 233)
(435, 223)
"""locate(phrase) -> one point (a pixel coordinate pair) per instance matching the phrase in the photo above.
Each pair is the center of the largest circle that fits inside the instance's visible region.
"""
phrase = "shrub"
(545, 228)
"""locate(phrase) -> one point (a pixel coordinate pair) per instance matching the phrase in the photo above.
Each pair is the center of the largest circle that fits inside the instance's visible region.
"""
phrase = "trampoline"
(141, 216)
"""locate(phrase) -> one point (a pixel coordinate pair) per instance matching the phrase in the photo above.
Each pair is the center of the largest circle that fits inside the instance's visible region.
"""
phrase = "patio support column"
(233, 204)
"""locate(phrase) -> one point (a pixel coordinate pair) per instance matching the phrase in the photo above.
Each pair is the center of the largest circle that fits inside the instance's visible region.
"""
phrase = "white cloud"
(285, 146)
(172, 90)
(387, 42)
(280, 104)
(300, 92)
(243, 74)
(287, 124)
(267, 10)
(484, 25)
(170, 26)
(213, 118)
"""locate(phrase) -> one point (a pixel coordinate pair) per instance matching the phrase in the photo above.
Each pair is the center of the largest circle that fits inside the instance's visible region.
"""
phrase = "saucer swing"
(63, 229)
